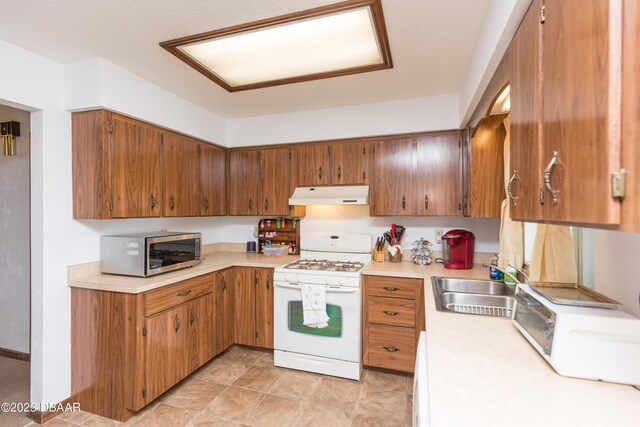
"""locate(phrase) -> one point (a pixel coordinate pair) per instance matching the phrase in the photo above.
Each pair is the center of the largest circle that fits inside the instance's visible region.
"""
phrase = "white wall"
(500, 24)
(616, 267)
(14, 237)
(383, 118)
(356, 219)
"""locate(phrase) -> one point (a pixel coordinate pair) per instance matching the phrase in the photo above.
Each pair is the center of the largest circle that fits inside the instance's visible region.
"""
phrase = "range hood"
(338, 195)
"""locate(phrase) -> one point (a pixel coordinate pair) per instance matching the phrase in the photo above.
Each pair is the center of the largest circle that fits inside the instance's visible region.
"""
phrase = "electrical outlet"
(439, 234)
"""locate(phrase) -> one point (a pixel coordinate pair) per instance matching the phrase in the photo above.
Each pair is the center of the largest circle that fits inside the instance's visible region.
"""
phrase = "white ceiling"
(431, 41)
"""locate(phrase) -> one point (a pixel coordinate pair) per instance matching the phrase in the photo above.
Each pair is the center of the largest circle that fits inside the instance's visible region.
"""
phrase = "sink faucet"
(522, 273)
(511, 276)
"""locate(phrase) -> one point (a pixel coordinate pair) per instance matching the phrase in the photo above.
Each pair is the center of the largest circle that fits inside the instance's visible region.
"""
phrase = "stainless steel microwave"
(146, 254)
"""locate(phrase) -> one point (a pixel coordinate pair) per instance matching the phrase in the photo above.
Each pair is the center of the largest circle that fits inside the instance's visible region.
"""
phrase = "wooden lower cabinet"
(253, 315)
(123, 356)
(223, 310)
(392, 318)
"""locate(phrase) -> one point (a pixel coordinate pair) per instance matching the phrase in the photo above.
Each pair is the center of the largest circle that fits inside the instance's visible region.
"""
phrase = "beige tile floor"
(14, 388)
(242, 387)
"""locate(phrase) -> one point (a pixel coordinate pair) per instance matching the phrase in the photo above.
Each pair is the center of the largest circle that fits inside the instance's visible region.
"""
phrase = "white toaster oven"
(581, 342)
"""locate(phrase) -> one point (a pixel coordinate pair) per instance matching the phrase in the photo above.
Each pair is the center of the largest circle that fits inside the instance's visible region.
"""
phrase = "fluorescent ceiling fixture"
(330, 41)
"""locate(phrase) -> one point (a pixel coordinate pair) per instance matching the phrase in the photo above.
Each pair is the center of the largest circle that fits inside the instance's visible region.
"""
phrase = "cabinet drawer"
(391, 311)
(169, 296)
(391, 347)
(393, 287)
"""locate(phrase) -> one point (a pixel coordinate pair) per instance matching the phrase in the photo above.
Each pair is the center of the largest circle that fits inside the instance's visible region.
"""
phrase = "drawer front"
(391, 311)
(392, 287)
(169, 296)
(391, 347)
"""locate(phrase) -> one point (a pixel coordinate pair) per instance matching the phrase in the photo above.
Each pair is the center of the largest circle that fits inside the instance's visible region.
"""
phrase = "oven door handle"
(328, 288)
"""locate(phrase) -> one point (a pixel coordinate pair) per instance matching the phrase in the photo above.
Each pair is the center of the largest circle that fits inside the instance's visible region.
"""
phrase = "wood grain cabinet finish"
(273, 188)
(224, 308)
(180, 175)
(122, 358)
(347, 163)
(392, 318)
(392, 192)
(212, 180)
(437, 174)
(243, 182)
(312, 165)
(526, 117)
(116, 167)
(253, 318)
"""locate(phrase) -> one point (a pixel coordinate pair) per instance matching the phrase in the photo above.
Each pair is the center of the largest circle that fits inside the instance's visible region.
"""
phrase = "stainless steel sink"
(471, 296)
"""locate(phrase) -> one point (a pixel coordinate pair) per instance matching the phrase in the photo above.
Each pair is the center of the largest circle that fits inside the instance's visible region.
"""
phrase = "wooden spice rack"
(283, 235)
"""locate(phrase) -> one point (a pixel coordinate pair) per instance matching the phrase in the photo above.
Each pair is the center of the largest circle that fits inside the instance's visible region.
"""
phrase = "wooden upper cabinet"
(212, 180)
(273, 188)
(347, 163)
(135, 168)
(243, 182)
(180, 173)
(392, 191)
(486, 168)
(437, 175)
(313, 167)
(582, 58)
(525, 117)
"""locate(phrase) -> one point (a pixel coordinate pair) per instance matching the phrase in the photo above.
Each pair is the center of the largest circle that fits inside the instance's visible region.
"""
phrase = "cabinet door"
(347, 163)
(437, 177)
(180, 173)
(245, 306)
(526, 117)
(166, 350)
(486, 167)
(274, 182)
(582, 57)
(313, 165)
(392, 189)
(264, 307)
(243, 182)
(201, 340)
(212, 166)
(224, 310)
(135, 169)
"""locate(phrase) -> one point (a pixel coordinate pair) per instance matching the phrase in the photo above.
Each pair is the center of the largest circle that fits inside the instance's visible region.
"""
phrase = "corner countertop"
(483, 372)
(87, 276)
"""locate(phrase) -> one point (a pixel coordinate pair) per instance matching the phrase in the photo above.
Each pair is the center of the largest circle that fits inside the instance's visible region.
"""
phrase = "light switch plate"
(439, 234)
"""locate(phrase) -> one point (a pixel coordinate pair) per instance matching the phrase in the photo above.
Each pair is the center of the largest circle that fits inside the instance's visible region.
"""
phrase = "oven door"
(340, 340)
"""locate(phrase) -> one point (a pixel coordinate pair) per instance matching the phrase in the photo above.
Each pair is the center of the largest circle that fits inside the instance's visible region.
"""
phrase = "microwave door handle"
(329, 289)
(527, 300)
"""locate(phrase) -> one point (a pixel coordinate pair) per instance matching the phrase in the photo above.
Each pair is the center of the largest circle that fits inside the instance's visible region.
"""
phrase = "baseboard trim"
(42, 417)
(12, 354)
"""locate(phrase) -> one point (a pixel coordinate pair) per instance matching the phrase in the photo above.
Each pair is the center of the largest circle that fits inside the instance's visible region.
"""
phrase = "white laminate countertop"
(87, 276)
(483, 372)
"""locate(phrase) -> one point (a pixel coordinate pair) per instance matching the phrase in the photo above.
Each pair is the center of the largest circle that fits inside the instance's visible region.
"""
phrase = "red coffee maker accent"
(457, 249)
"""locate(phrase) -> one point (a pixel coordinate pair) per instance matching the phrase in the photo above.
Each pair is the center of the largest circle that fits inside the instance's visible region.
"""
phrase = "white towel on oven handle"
(314, 306)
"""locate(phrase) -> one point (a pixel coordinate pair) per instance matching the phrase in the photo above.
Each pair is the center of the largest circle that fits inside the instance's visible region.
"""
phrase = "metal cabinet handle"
(153, 201)
(426, 202)
(206, 203)
(266, 203)
(172, 202)
(514, 177)
(390, 289)
(250, 203)
(193, 315)
(391, 349)
(339, 172)
(320, 172)
(268, 280)
(224, 284)
(404, 202)
(391, 313)
(177, 323)
(183, 293)
(547, 178)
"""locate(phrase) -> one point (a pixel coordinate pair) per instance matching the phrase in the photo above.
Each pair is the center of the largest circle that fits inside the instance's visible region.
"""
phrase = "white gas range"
(335, 262)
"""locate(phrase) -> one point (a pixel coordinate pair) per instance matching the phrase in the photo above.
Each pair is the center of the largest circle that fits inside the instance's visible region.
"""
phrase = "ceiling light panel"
(334, 40)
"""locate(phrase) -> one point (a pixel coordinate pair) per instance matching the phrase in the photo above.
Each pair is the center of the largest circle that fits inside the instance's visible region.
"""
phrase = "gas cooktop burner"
(323, 264)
